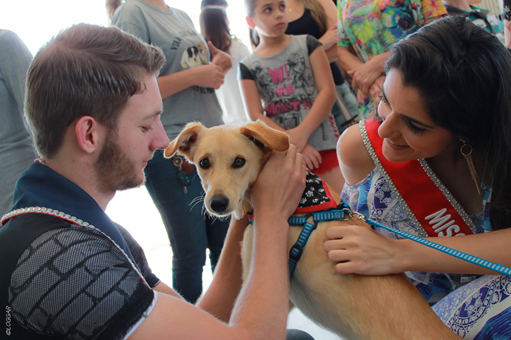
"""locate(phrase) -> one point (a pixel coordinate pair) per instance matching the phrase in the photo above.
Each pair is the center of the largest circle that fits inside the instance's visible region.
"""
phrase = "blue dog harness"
(318, 206)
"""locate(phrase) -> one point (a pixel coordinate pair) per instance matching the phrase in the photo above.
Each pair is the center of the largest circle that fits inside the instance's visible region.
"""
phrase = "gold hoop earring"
(466, 151)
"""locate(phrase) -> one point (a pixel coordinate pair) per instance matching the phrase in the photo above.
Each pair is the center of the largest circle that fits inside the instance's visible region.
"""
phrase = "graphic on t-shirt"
(190, 57)
(203, 54)
(286, 89)
(302, 76)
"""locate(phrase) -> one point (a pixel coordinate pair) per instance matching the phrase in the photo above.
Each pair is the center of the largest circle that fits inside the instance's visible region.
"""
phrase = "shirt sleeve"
(15, 59)
(432, 9)
(312, 44)
(342, 37)
(130, 19)
(75, 283)
(244, 72)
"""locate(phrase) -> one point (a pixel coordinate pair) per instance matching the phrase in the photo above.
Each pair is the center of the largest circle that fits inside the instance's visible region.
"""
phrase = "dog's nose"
(219, 203)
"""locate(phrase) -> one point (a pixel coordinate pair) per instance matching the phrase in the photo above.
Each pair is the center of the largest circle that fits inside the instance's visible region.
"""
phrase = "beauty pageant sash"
(437, 214)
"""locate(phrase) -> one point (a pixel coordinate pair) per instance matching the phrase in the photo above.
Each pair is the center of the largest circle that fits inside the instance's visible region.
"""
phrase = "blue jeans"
(351, 103)
(190, 232)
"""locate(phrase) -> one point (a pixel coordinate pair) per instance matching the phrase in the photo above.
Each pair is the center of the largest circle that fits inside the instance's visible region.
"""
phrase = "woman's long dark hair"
(214, 28)
(463, 73)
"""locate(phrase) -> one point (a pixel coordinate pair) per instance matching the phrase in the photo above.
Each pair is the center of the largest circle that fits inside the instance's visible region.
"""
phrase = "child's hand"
(297, 138)
(220, 58)
(311, 157)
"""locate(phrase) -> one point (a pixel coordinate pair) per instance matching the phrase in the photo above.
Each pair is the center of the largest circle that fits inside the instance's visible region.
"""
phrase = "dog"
(228, 160)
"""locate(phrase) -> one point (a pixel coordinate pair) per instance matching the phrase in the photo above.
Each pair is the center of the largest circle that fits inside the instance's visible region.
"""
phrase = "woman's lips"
(395, 146)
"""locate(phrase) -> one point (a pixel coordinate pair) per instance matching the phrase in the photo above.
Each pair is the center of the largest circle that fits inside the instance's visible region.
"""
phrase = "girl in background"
(214, 27)
(187, 84)
(291, 76)
(319, 19)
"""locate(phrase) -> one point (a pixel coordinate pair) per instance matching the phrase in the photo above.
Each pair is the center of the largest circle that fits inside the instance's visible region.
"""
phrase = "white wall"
(36, 21)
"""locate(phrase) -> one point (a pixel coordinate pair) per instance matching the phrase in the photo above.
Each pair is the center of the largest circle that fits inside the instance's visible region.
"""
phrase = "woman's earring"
(466, 151)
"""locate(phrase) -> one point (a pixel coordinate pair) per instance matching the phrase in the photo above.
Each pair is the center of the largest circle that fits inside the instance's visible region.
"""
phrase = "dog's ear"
(183, 144)
(265, 136)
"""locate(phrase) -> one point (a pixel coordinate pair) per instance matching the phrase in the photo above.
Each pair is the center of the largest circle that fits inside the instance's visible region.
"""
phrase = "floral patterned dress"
(371, 27)
(507, 23)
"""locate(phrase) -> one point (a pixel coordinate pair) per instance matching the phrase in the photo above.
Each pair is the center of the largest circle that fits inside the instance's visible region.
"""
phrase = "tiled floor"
(134, 210)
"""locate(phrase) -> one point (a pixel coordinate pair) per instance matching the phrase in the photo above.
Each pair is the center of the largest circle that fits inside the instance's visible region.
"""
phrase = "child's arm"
(252, 102)
(322, 104)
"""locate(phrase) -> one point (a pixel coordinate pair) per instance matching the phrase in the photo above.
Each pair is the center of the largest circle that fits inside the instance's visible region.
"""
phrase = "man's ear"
(185, 142)
(250, 22)
(86, 132)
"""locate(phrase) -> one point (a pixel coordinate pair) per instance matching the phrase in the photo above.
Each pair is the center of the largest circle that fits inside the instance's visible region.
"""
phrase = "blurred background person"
(187, 84)
(216, 3)
(319, 19)
(16, 147)
(507, 23)
(481, 17)
(366, 32)
(214, 26)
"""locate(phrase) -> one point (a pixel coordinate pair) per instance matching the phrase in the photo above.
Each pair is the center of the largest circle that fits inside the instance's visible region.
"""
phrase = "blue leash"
(340, 214)
(456, 253)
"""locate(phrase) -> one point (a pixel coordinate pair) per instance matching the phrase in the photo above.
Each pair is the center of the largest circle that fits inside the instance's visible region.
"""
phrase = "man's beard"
(114, 169)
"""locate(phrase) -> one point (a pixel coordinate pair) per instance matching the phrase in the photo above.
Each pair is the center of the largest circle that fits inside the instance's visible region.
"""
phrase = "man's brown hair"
(85, 70)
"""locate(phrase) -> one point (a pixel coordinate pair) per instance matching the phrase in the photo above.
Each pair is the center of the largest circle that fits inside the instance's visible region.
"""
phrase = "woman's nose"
(389, 126)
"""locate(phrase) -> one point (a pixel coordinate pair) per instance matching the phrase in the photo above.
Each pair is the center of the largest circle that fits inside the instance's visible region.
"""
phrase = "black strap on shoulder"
(15, 236)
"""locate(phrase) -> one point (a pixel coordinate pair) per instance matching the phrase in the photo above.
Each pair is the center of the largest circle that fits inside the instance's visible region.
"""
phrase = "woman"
(214, 26)
(437, 165)
(318, 18)
(368, 29)
(187, 84)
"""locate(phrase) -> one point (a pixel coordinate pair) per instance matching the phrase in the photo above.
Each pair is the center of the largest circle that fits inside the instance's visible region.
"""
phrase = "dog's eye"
(238, 162)
(204, 163)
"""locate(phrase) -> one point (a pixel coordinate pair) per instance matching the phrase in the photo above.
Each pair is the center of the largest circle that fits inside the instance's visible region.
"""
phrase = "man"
(68, 271)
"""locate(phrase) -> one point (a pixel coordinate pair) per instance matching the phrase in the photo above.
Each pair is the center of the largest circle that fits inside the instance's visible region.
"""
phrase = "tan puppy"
(229, 160)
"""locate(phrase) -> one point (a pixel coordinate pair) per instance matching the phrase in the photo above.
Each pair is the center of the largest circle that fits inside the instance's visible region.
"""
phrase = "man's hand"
(220, 58)
(280, 185)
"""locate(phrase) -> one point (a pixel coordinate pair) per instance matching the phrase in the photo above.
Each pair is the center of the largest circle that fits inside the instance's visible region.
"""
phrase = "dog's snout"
(219, 203)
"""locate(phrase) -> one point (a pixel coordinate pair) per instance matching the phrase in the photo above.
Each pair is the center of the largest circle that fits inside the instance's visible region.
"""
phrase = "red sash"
(436, 214)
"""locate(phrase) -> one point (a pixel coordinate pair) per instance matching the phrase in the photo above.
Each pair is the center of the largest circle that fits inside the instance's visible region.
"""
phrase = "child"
(214, 27)
(292, 78)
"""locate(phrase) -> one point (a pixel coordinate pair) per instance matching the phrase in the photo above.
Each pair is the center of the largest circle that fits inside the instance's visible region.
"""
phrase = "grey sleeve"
(244, 72)
(312, 44)
(131, 20)
(15, 59)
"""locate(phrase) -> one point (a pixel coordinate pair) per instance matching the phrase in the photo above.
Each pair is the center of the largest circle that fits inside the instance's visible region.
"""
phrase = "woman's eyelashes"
(414, 128)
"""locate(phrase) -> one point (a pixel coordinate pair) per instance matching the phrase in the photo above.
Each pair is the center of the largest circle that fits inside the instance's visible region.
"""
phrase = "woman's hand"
(311, 157)
(329, 38)
(366, 74)
(220, 58)
(361, 250)
(375, 90)
(209, 76)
